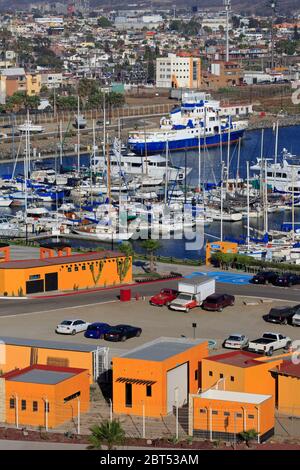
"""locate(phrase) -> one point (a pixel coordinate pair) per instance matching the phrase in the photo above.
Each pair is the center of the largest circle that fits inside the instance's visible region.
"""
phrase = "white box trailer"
(202, 285)
(192, 292)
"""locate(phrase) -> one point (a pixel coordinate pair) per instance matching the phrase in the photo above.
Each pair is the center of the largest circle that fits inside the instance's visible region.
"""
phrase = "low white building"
(52, 79)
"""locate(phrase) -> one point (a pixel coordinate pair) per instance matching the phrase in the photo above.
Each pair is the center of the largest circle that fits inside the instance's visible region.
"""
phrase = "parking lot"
(155, 322)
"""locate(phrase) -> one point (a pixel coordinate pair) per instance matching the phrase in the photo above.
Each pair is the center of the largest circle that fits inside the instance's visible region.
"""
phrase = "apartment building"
(178, 71)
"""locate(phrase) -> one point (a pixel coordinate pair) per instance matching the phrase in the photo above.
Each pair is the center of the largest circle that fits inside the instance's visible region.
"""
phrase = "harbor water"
(210, 171)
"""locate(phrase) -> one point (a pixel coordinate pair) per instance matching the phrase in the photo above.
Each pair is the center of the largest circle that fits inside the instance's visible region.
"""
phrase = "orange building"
(16, 353)
(157, 376)
(218, 414)
(287, 376)
(43, 396)
(64, 272)
(219, 247)
(240, 371)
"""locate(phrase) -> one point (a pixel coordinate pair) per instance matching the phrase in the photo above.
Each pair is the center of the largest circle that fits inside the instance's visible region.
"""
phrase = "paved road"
(6, 444)
(21, 306)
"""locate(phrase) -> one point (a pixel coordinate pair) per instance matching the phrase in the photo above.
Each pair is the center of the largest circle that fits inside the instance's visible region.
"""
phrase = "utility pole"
(227, 4)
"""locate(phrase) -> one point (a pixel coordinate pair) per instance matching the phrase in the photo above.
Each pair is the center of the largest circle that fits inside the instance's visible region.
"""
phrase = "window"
(214, 412)
(232, 379)
(12, 403)
(149, 391)
(251, 416)
(35, 406)
(239, 415)
(196, 374)
(221, 376)
(71, 397)
(34, 277)
(76, 268)
(23, 405)
(128, 395)
(69, 269)
(83, 267)
(202, 410)
(210, 373)
(226, 413)
(47, 407)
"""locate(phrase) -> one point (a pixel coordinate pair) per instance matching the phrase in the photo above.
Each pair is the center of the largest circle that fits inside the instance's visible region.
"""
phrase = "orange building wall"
(12, 280)
(289, 395)
(156, 405)
(228, 424)
(59, 412)
(18, 357)
(255, 379)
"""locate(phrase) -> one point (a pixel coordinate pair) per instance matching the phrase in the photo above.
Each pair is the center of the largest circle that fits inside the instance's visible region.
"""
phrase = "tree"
(109, 433)
(104, 22)
(248, 436)
(126, 248)
(151, 246)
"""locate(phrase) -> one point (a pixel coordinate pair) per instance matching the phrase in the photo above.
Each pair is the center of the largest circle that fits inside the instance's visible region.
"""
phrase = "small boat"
(80, 122)
(5, 201)
(103, 233)
(28, 126)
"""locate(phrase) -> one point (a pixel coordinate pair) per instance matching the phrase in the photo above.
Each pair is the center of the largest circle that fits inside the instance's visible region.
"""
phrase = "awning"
(135, 381)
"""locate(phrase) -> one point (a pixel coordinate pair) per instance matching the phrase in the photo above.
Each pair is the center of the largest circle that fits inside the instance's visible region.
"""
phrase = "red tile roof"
(288, 368)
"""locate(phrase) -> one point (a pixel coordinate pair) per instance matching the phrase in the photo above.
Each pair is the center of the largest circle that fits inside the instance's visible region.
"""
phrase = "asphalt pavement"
(30, 305)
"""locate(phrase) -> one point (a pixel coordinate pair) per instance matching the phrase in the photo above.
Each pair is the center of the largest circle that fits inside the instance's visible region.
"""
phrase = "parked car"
(97, 330)
(216, 302)
(296, 319)
(71, 327)
(122, 332)
(269, 342)
(236, 341)
(264, 277)
(282, 315)
(165, 297)
(286, 280)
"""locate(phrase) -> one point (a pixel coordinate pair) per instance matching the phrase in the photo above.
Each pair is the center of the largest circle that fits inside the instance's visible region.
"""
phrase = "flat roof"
(242, 359)
(38, 376)
(239, 397)
(39, 343)
(77, 258)
(162, 348)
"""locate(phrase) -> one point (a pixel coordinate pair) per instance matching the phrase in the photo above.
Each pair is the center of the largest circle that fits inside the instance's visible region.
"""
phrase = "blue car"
(97, 330)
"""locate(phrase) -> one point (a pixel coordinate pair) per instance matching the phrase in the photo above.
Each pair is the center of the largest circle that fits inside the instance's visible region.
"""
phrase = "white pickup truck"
(269, 342)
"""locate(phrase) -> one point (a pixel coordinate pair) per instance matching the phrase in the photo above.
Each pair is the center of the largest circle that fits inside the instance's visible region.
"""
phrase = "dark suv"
(264, 277)
(216, 302)
(286, 280)
(282, 315)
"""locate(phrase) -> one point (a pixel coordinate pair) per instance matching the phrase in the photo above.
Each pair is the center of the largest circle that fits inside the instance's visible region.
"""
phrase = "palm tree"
(109, 433)
(151, 246)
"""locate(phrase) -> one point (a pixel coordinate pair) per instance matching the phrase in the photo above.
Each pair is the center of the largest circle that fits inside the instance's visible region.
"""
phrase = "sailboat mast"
(78, 135)
(248, 207)
(167, 172)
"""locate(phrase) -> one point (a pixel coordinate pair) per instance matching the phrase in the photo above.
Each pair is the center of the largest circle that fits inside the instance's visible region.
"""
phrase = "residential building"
(223, 74)
(177, 71)
(11, 81)
(157, 376)
(51, 79)
(33, 84)
(43, 395)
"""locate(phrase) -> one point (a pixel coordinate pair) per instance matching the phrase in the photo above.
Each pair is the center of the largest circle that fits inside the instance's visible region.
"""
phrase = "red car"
(216, 302)
(165, 297)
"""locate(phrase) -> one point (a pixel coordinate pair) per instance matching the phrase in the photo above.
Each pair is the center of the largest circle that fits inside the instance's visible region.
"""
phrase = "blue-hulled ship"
(196, 122)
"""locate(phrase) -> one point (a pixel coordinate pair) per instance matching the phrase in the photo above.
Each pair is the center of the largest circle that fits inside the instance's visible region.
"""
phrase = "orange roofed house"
(43, 395)
(157, 376)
